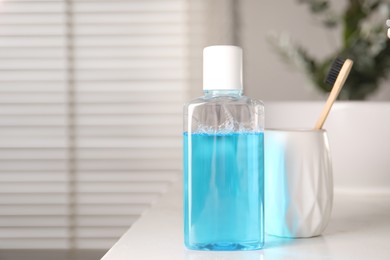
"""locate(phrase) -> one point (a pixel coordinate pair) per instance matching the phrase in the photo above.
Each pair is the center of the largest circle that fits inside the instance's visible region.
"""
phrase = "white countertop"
(359, 229)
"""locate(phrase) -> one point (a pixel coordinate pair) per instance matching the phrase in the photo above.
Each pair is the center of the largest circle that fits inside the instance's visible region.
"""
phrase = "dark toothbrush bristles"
(334, 71)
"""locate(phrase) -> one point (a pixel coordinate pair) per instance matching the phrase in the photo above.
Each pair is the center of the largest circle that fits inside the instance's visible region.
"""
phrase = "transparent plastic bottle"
(223, 159)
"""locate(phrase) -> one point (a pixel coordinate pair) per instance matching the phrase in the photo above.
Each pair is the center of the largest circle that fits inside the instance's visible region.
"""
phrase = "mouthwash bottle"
(223, 159)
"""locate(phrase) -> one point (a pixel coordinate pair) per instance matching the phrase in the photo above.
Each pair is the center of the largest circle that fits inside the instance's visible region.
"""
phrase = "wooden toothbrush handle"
(338, 85)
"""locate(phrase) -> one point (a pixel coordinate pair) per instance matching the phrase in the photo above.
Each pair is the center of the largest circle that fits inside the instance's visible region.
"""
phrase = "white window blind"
(91, 95)
(34, 209)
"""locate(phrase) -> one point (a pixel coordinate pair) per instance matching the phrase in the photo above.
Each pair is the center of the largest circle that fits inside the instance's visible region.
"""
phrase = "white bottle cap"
(222, 67)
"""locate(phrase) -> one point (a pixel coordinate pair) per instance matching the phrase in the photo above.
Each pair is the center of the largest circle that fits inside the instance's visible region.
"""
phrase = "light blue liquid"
(224, 191)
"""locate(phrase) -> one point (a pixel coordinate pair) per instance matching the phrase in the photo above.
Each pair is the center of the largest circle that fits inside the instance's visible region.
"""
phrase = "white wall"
(266, 75)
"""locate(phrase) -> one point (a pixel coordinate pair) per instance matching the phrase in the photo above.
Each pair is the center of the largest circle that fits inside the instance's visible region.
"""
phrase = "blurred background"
(91, 95)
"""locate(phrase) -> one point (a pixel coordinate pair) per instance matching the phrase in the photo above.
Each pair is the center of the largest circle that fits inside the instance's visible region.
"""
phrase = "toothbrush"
(337, 75)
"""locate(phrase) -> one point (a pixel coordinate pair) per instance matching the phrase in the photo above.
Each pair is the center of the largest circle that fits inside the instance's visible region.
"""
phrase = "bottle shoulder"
(225, 100)
(222, 114)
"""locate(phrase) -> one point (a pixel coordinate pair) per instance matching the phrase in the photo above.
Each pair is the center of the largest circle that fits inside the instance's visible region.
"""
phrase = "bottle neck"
(217, 93)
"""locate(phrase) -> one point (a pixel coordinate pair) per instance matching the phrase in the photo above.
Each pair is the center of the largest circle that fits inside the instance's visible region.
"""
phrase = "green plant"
(364, 40)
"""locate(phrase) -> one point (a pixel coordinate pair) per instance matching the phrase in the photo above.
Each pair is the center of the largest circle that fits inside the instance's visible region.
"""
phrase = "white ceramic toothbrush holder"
(298, 182)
